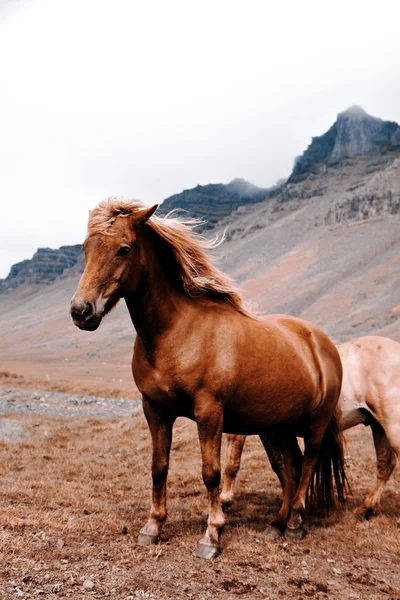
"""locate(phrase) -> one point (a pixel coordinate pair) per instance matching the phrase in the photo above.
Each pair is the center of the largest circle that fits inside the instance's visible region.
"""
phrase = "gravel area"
(16, 401)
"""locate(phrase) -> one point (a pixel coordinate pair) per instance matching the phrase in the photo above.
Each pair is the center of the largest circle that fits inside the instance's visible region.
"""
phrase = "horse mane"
(197, 270)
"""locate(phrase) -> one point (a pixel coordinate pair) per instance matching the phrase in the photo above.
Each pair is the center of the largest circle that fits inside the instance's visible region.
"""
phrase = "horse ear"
(141, 216)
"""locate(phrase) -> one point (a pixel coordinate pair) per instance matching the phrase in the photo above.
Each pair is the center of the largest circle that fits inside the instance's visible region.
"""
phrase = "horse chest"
(155, 386)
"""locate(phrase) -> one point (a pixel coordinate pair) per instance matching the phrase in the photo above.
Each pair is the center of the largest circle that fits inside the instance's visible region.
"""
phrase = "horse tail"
(329, 472)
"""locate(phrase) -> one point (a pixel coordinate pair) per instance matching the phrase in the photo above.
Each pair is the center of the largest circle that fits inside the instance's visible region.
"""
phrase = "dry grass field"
(74, 493)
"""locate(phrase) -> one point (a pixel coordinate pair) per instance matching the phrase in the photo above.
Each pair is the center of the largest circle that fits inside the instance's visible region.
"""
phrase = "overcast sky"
(145, 99)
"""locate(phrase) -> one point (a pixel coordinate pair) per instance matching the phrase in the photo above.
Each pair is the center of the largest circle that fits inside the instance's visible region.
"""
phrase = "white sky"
(144, 99)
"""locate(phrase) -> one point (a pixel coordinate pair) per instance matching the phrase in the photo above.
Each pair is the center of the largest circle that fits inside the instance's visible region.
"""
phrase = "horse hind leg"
(276, 458)
(286, 460)
(285, 456)
(386, 462)
(234, 449)
(323, 462)
(295, 529)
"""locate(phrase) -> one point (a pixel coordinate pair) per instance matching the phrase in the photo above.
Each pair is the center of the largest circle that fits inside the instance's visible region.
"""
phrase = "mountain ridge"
(372, 190)
(216, 200)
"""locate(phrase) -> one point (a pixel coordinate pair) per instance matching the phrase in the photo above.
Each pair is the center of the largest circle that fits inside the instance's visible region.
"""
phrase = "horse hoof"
(293, 535)
(147, 539)
(206, 551)
(371, 512)
(273, 533)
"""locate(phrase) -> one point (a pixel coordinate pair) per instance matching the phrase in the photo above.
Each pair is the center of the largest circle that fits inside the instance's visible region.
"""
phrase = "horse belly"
(255, 416)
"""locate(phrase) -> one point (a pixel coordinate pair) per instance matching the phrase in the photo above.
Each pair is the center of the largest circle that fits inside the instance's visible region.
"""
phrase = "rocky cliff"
(44, 267)
(355, 133)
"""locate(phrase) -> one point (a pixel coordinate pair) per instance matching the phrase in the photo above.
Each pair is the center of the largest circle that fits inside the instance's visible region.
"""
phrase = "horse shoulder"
(188, 357)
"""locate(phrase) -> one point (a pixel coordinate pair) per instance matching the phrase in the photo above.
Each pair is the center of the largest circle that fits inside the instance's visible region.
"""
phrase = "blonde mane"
(198, 273)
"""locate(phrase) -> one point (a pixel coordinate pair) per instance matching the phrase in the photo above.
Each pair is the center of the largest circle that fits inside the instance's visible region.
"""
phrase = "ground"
(75, 490)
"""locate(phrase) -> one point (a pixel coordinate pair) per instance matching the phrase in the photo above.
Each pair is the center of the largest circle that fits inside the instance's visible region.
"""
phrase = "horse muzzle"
(84, 315)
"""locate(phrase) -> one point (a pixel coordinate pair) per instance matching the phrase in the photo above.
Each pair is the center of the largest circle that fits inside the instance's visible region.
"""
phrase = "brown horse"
(200, 354)
(370, 395)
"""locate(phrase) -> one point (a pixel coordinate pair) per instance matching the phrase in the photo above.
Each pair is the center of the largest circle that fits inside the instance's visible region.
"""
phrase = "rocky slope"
(327, 252)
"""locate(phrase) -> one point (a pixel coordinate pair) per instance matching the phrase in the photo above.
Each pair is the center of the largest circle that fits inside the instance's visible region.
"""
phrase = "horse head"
(112, 267)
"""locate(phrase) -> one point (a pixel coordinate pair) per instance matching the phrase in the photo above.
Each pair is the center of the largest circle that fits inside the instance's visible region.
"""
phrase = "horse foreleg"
(161, 432)
(209, 419)
(386, 462)
(234, 449)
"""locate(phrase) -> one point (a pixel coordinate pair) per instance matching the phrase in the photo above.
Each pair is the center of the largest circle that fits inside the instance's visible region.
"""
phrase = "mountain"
(216, 200)
(355, 133)
(355, 144)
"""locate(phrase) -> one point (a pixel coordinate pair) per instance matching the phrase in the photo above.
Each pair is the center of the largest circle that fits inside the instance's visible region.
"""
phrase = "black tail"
(329, 472)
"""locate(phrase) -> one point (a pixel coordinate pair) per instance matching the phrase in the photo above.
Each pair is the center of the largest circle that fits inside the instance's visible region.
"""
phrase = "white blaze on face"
(100, 304)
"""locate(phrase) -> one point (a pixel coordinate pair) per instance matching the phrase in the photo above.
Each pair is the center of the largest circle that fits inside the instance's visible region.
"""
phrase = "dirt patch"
(75, 492)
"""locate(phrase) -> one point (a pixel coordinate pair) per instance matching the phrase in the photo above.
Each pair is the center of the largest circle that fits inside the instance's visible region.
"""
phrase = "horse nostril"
(88, 311)
(74, 311)
(82, 311)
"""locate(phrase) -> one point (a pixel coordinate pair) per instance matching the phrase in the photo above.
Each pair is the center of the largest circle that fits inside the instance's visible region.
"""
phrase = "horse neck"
(157, 300)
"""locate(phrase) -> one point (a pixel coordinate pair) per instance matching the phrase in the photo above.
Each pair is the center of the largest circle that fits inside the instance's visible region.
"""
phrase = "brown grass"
(75, 492)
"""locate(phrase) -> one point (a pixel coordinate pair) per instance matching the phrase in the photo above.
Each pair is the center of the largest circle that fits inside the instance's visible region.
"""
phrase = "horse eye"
(123, 251)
